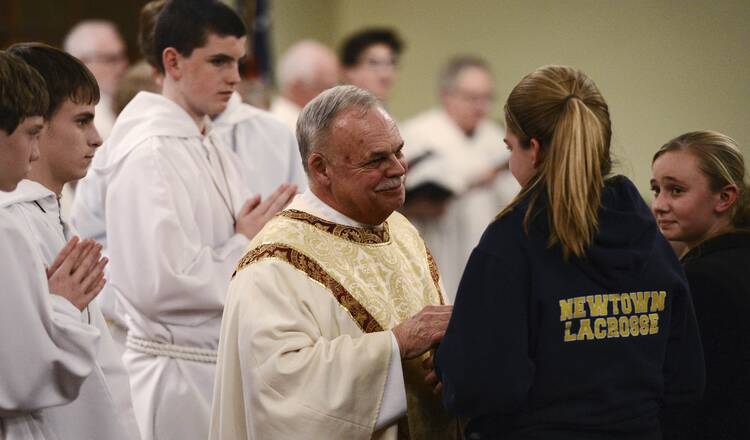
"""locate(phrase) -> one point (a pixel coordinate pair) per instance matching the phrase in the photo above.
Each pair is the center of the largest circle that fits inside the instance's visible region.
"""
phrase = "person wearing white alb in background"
(305, 70)
(460, 130)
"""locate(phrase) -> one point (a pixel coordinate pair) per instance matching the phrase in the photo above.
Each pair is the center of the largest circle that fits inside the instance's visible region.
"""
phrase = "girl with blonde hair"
(701, 198)
(573, 318)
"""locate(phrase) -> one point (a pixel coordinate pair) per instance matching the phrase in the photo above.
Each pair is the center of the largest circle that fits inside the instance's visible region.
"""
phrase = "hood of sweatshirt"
(626, 237)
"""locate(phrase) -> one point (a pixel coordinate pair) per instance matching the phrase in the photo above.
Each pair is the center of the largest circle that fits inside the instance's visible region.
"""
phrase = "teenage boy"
(178, 218)
(103, 408)
(267, 156)
(47, 350)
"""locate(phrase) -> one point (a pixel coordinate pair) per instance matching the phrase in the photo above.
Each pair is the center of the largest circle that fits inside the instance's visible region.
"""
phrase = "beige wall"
(665, 67)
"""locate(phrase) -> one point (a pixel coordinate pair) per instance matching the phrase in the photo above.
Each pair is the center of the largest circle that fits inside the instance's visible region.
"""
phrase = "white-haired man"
(98, 44)
(306, 69)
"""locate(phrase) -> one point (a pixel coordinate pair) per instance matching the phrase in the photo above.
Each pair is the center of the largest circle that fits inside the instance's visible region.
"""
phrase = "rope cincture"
(171, 350)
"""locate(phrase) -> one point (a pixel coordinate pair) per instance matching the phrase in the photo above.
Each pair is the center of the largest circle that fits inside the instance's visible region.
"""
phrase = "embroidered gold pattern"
(433, 271)
(351, 233)
(361, 316)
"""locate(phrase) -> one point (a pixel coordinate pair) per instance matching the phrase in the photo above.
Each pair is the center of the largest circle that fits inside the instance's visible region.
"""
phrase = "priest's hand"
(77, 274)
(432, 378)
(422, 331)
(255, 213)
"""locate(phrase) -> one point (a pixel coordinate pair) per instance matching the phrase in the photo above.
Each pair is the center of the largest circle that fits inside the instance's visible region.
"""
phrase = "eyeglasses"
(105, 58)
(474, 98)
(383, 63)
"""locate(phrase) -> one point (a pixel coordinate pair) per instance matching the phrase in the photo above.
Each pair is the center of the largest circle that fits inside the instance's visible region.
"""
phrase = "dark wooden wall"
(50, 20)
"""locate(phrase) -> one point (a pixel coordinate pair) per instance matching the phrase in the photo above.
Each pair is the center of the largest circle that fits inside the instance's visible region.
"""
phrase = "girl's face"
(521, 161)
(684, 205)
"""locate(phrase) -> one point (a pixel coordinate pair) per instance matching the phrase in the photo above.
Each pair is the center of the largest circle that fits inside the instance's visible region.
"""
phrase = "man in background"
(460, 131)
(370, 60)
(98, 44)
(306, 69)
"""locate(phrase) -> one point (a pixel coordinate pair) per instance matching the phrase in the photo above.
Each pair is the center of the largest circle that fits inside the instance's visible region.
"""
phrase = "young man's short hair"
(186, 24)
(23, 93)
(65, 76)
(146, 27)
(359, 42)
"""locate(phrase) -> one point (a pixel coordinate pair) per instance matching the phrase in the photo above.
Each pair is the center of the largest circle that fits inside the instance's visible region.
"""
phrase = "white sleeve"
(297, 344)
(46, 352)
(394, 397)
(159, 258)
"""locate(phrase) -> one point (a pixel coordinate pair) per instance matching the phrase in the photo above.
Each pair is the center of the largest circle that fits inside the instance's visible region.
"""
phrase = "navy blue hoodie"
(543, 348)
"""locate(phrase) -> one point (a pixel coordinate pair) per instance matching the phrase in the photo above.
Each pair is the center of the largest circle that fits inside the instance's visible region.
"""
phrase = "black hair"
(431, 191)
(186, 24)
(23, 93)
(356, 44)
(65, 76)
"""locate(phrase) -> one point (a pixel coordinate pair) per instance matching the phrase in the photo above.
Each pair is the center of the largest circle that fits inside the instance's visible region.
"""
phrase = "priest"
(337, 299)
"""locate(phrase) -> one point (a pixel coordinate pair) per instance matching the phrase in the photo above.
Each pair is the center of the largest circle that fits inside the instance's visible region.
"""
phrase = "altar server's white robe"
(267, 150)
(452, 237)
(103, 409)
(170, 197)
(267, 155)
(47, 350)
(286, 111)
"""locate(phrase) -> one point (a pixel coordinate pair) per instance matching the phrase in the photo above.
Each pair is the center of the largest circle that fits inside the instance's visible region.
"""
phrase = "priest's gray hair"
(313, 124)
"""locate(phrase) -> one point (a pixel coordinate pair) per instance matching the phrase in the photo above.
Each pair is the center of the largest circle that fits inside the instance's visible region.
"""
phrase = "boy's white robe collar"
(30, 191)
(147, 115)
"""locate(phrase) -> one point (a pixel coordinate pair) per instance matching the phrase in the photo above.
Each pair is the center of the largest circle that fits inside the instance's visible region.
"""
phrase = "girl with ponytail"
(701, 198)
(573, 318)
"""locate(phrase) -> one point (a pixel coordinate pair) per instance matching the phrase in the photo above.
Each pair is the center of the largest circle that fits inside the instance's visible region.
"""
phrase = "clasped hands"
(422, 332)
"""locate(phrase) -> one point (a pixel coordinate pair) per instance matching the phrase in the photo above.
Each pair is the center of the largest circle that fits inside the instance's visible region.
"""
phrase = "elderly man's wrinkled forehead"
(354, 118)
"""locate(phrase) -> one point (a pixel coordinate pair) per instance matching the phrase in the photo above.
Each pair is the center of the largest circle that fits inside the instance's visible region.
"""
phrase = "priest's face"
(207, 78)
(365, 165)
(68, 144)
(18, 150)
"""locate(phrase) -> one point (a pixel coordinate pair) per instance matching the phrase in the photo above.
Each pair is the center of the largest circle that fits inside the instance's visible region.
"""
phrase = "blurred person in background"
(306, 69)
(369, 59)
(99, 45)
(460, 129)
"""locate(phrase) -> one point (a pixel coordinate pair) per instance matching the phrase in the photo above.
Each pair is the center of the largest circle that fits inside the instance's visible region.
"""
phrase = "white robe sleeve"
(394, 396)
(159, 248)
(293, 363)
(46, 352)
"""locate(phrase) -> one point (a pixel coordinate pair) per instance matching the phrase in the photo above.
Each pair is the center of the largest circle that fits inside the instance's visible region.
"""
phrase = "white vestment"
(47, 349)
(287, 111)
(103, 408)
(294, 362)
(170, 197)
(452, 237)
(267, 149)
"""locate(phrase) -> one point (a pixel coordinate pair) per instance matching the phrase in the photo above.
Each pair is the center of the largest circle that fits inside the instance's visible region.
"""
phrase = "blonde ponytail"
(562, 108)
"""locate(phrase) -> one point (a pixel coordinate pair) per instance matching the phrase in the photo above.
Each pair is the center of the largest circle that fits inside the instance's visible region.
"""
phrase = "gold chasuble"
(377, 278)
